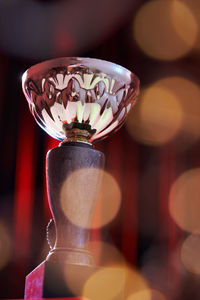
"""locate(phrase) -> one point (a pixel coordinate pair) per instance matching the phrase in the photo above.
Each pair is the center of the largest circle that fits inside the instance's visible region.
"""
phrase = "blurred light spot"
(165, 29)
(5, 246)
(79, 194)
(134, 280)
(89, 189)
(184, 22)
(105, 253)
(106, 283)
(148, 294)
(109, 201)
(158, 116)
(194, 6)
(190, 253)
(141, 295)
(164, 111)
(159, 107)
(184, 201)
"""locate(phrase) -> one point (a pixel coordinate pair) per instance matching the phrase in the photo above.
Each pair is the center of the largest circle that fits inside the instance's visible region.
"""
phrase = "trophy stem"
(74, 172)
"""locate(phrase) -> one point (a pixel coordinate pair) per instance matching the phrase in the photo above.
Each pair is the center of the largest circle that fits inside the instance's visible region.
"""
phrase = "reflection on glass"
(82, 97)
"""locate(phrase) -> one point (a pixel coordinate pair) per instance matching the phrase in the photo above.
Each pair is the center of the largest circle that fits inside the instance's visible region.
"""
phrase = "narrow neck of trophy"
(77, 135)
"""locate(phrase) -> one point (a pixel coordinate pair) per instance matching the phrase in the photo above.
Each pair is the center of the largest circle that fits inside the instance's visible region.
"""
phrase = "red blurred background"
(154, 158)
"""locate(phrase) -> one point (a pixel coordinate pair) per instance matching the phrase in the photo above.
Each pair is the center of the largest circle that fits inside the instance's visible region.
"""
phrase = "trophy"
(78, 101)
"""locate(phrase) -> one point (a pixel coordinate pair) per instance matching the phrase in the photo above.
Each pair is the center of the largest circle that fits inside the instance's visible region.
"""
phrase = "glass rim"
(109, 68)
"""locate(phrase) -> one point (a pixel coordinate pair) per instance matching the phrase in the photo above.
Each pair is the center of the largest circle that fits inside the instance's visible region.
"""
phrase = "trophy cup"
(78, 101)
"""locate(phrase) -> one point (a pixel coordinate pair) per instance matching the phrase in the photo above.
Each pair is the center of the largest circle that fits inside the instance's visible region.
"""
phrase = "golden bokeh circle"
(184, 201)
(102, 286)
(147, 294)
(166, 108)
(190, 253)
(194, 6)
(105, 283)
(165, 29)
(159, 107)
(157, 117)
(104, 202)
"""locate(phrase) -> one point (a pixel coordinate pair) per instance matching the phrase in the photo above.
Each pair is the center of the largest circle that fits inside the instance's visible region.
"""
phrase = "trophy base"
(55, 279)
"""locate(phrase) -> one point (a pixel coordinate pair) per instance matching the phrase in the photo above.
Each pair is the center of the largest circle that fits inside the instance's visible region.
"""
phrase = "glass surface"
(84, 93)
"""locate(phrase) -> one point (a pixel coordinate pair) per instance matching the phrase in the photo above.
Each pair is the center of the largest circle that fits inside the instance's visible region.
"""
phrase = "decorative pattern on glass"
(78, 96)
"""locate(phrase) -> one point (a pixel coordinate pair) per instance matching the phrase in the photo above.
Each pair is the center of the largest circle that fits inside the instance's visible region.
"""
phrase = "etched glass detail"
(88, 94)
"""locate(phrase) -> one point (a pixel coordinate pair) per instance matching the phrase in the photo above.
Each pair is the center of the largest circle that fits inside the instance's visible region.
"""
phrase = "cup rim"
(114, 70)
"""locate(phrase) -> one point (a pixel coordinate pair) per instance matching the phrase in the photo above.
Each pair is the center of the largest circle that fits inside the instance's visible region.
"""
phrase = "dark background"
(145, 233)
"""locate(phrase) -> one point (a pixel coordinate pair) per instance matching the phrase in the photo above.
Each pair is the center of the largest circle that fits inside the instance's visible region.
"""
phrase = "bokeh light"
(78, 186)
(141, 295)
(157, 117)
(106, 283)
(113, 280)
(165, 29)
(135, 282)
(5, 246)
(194, 7)
(147, 294)
(184, 201)
(164, 111)
(190, 253)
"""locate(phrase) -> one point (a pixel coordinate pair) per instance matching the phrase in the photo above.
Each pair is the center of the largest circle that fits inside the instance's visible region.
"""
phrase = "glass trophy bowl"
(80, 99)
